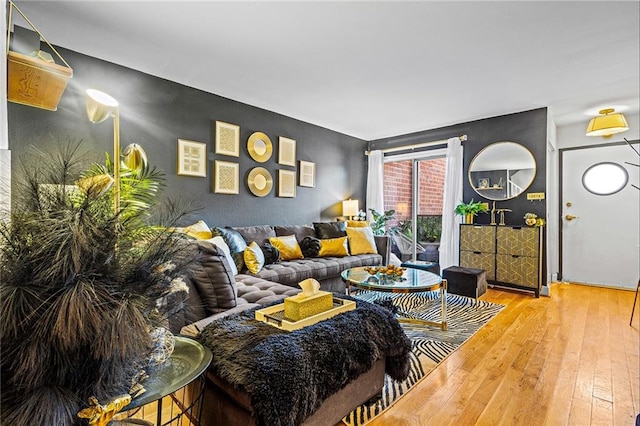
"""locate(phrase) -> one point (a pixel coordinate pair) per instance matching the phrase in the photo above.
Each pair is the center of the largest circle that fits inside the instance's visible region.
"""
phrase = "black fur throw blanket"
(288, 375)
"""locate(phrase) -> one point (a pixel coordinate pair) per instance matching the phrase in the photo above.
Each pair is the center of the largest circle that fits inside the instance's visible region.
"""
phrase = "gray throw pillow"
(212, 277)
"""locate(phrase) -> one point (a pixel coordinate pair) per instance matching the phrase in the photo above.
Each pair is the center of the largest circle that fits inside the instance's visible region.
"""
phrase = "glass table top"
(412, 280)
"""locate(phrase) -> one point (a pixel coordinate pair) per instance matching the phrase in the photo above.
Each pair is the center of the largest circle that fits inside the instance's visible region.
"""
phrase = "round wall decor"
(260, 181)
(259, 147)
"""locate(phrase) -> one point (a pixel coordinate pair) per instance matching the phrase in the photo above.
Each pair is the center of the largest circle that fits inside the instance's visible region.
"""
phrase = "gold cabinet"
(511, 255)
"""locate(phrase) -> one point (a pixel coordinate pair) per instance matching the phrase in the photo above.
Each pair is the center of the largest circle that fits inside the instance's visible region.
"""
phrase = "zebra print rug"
(430, 345)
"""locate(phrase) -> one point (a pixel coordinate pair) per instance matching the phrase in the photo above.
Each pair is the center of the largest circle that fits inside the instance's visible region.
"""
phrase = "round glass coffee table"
(412, 281)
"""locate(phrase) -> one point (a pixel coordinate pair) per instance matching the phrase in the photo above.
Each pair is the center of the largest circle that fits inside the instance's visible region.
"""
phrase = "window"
(605, 178)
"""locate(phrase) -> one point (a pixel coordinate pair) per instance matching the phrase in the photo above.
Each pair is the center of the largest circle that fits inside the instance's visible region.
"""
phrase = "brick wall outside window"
(397, 187)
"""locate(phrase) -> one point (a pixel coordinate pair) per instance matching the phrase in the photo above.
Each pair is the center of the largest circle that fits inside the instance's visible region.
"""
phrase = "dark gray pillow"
(300, 231)
(236, 244)
(310, 247)
(326, 230)
(271, 254)
(259, 234)
(212, 277)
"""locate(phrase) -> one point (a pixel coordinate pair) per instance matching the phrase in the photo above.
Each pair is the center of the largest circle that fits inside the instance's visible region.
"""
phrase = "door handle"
(570, 217)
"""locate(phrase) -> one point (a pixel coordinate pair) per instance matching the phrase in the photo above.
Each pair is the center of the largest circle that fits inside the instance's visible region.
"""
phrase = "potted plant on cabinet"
(469, 210)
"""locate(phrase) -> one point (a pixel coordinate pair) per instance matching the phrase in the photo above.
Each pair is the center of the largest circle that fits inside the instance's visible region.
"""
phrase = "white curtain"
(375, 189)
(449, 241)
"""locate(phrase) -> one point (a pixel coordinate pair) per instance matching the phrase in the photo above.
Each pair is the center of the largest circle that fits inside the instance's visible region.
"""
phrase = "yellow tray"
(274, 315)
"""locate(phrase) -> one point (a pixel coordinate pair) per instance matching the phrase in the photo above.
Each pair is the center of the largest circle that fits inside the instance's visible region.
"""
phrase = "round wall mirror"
(502, 170)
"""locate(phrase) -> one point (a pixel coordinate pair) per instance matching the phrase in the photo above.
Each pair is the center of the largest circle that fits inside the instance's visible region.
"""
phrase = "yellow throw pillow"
(357, 223)
(288, 247)
(361, 241)
(333, 247)
(198, 230)
(253, 257)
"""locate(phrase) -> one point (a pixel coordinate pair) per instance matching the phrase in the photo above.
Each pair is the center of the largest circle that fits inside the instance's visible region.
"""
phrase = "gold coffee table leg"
(407, 319)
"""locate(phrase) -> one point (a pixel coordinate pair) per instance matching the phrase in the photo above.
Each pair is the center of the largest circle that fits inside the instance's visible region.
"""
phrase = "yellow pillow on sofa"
(198, 230)
(333, 247)
(357, 223)
(361, 241)
(253, 257)
(288, 247)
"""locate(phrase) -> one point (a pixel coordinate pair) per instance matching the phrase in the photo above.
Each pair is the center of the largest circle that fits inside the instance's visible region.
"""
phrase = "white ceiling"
(371, 69)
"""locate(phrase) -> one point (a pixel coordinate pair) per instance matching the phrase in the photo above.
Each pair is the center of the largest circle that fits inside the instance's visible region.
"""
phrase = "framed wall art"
(286, 151)
(227, 139)
(286, 183)
(226, 177)
(192, 158)
(307, 174)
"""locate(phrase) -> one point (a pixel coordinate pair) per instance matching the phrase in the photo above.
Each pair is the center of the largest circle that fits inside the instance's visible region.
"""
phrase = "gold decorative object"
(134, 157)
(259, 147)
(101, 415)
(310, 302)
(260, 181)
(35, 80)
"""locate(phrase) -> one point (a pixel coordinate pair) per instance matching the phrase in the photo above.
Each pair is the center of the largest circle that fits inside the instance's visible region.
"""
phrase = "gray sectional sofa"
(215, 291)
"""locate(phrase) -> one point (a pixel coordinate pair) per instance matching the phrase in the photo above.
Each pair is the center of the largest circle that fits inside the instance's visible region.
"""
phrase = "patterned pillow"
(310, 247)
(361, 241)
(288, 247)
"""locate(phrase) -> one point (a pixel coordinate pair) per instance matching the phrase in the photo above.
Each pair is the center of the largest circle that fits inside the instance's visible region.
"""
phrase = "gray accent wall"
(155, 113)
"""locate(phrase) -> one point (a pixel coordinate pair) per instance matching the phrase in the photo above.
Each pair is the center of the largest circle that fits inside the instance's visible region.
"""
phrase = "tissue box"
(302, 306)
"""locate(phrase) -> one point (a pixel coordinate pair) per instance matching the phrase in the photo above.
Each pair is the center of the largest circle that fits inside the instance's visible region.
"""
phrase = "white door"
(601, 245)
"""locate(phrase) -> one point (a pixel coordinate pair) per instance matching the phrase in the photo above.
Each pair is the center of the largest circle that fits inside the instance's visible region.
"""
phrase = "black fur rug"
(288, 375)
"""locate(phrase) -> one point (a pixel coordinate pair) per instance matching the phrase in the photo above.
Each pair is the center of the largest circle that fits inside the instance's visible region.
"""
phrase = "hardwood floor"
(568, 359)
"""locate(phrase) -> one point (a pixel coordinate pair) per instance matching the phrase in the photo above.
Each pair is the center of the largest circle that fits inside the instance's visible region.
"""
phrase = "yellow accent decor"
(357, 223)
(253, 257)
(198, 230)
(333, 247)
(302, 306)
(288, 247)
(361, 241)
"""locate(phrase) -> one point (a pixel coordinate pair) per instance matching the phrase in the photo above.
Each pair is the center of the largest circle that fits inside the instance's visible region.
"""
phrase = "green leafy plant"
(379, 223)
(470, 208)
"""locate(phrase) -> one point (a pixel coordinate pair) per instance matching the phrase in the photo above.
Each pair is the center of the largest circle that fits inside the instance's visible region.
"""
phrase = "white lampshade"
(99, 105)
(350, 208)
(607, 124)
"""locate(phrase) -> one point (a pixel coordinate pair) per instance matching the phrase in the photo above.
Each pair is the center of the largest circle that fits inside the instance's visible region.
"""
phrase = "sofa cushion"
(333, 247)
(321, 268)
(288, 247)
(253, 257)
(310, 246)
(199, 230)
(259, 234)
(212, 277)
(271, 254)
(300, 231)
(357, 223)
(326, 230)
(236, 244)
(361, 240)
(222, 245)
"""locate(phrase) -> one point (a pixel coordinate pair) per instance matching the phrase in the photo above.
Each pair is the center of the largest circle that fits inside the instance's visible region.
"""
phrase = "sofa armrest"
(194, 329)
(383, 244)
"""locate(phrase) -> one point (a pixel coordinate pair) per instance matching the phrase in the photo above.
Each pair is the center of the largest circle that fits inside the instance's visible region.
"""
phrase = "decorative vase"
(468, 218)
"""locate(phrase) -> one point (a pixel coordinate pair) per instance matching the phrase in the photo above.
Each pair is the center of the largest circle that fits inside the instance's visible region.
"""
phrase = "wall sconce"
(607, 123)
(350, 208)
(101, 106)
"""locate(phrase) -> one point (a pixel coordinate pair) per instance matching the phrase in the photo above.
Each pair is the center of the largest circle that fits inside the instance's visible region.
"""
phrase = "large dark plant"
(80, 286)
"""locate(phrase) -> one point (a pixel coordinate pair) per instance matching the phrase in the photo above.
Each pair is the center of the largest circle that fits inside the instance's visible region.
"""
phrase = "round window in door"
(605, 178)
